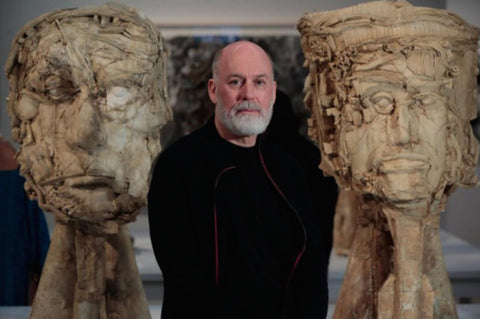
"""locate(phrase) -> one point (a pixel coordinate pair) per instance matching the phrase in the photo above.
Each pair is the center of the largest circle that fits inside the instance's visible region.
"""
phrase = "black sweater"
(233, 232)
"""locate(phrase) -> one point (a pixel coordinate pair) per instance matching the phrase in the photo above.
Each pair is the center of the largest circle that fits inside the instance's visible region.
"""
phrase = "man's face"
(243, 90)
(396, 144)
(92, 130)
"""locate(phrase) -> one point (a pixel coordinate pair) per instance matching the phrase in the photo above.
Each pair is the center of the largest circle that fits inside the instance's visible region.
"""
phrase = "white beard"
(244, 124)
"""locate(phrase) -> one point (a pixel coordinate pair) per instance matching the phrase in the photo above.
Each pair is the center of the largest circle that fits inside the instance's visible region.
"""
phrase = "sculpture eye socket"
(429, 101)
(60, 89)
(118, 97)
(383, 102)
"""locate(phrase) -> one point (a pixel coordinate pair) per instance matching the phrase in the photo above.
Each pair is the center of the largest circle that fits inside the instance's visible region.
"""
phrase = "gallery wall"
(247, 17)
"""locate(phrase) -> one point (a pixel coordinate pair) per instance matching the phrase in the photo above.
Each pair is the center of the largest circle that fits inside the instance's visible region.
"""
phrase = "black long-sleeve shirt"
(233, 232)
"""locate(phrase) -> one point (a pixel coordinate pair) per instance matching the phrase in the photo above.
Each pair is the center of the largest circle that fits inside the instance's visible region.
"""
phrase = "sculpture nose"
(403, 124)
(85, 127)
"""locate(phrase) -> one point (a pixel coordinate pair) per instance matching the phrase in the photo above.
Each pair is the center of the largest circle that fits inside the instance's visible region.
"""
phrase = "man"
(230, 216)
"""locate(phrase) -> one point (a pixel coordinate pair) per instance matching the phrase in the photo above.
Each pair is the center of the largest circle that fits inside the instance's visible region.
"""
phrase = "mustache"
(247, 106)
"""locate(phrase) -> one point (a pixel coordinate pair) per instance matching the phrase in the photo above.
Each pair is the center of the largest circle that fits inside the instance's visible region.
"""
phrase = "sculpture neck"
(415, 210)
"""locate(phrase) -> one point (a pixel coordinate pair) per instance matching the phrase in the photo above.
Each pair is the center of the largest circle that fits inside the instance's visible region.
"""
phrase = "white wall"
(193, 16)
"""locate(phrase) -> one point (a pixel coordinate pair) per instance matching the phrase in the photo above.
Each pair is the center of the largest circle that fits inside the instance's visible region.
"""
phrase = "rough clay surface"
(87, 100)
(392, 90)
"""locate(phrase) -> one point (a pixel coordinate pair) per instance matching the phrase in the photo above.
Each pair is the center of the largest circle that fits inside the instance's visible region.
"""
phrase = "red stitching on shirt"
(302, 251)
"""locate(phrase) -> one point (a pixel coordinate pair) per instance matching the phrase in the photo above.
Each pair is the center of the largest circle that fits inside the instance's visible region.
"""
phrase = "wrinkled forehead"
(420, 70)
(86, 38)
(447, 68)
(115, 52)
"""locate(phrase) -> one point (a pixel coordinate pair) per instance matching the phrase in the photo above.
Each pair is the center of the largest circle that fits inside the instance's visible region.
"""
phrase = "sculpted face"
(396, 140)
(399, 132)
(392, 92)
(88, 108)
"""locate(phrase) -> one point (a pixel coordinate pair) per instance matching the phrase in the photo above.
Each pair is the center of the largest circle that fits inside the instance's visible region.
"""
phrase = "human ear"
(212, 89)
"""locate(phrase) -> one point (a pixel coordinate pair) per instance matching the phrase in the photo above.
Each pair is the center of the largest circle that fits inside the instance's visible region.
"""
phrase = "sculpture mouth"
(404, 163)
(89, 182)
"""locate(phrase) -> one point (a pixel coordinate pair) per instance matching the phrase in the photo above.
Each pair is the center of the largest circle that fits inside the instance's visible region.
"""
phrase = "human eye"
(260, 82)
(235, 82)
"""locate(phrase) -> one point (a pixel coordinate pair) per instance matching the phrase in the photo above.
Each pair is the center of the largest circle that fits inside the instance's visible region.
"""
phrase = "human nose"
(403, 124)
(247, 91)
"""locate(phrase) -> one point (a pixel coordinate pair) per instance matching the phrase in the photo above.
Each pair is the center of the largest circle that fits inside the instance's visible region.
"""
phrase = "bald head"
(236, 47)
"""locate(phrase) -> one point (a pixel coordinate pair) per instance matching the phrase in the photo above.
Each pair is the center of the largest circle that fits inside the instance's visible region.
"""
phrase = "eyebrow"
(262, 75)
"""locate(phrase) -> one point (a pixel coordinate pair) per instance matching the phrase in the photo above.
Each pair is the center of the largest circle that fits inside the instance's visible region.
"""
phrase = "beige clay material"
(345, 221)
(87, 100)
(392, 90)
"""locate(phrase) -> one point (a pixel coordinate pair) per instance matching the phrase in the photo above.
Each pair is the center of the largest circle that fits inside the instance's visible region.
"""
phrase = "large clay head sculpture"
(87, 100)
(392, 90)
